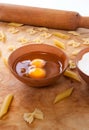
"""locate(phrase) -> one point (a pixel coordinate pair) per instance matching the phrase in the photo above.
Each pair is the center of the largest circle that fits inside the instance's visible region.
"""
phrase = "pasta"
(13, 30)
(74, 33)
(31, 31)
(15, 24)
(2, 36)
(59, 44)
(46, 35)
(86, 41)
(61, 35)
(5, 105)
(73, 43)
(29, 117)
(11, 48)
(72, 64)
(38, 40)
(72, 75)
(63, 95)
(5, 61)
(23, 40)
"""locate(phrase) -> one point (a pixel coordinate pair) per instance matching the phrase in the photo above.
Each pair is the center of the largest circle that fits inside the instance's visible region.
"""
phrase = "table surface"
(72, 113)
(80, 6)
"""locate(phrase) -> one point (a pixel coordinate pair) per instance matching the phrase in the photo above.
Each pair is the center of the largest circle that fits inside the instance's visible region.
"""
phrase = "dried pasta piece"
(46, 35)
(72, 64)
(38, 40)
(13, 30)
(70, 43)
(23, 40)
(11, 48)
(29, 117)
(59, 44)
(74, 33)
(61, 35)
(42, 29)
(38, 114)
(75, 52)
(5, 105)
(86, 41)
(5, 60)
(72, 75)
(76, 44)
(15, 24)
(63, 95)
(31, 31)
(2, 36)
(73, 43)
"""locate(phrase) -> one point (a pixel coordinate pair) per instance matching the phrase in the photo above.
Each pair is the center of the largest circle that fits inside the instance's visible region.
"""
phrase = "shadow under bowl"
(43, 48)
(79, 58)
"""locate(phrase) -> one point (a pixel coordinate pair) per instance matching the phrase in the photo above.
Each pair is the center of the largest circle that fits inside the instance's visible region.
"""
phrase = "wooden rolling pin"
(58, 19)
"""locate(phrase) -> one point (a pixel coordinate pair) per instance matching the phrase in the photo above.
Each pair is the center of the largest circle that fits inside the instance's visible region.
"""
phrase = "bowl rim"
(79, 57)
(41, 79)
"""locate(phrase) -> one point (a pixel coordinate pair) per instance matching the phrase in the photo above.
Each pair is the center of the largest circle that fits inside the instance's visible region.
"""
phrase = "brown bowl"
(79, 58)
(43, 48)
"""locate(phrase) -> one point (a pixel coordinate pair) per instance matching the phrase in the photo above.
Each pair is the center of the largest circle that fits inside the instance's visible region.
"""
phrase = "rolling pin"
(51, 18)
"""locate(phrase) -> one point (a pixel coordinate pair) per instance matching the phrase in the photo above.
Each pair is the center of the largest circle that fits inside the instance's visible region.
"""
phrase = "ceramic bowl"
(44, 48)
(82, 64)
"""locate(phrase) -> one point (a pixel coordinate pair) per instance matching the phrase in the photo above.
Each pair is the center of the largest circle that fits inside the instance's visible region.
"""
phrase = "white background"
(81, 6)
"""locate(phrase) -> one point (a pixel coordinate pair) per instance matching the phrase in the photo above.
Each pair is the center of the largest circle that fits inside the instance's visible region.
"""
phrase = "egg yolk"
(39, 63)
(37, 73)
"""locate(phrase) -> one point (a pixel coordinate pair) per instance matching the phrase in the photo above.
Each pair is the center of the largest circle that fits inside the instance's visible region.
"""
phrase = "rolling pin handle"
(84, 22)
